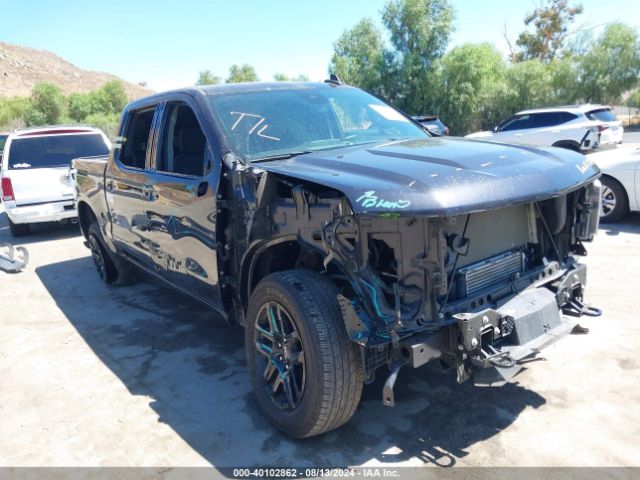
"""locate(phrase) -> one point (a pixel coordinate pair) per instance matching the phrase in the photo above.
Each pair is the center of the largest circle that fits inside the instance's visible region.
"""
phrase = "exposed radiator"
(478, 276)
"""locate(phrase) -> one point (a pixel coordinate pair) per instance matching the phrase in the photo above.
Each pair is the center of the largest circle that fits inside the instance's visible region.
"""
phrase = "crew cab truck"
(342, 236)
(35, 182)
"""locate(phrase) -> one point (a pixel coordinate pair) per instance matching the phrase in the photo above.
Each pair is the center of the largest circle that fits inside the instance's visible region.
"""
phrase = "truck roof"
(209, 90)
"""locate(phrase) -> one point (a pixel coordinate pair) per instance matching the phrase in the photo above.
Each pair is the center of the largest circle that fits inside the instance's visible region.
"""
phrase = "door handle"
(149, 193)
(202, 189)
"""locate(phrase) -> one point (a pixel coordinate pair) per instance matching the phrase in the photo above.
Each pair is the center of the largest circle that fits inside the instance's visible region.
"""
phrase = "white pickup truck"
(35, 181)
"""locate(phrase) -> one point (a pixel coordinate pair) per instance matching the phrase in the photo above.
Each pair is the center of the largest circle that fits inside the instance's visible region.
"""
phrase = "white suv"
(34, 177)
(578, 127)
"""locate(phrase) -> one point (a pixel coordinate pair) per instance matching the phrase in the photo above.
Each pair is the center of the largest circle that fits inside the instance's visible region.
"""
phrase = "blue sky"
(167, 43)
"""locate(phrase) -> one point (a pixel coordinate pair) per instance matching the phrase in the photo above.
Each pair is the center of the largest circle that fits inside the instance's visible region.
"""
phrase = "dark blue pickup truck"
(342, 236)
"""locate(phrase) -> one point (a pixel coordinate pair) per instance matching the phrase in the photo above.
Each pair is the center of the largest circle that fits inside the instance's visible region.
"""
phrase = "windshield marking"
(370, 200)
(260, 133)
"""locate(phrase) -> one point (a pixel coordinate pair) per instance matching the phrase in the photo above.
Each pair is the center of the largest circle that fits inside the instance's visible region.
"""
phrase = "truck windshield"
(279, 122)
(54, 150)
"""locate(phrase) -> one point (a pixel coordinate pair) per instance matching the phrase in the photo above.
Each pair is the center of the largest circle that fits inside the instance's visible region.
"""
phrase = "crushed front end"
(478, 291)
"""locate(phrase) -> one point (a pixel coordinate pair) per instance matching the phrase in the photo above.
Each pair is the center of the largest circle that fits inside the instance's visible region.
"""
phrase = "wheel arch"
(607, 176)
(267, 257)
(86, 217)
(568, 144)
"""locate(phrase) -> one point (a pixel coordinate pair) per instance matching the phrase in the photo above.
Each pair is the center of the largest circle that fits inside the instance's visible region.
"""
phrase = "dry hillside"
(22, 67)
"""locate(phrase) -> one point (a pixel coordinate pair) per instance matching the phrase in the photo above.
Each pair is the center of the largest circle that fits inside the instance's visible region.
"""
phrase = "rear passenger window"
(551, 119)
(182, 144)
(136, 139)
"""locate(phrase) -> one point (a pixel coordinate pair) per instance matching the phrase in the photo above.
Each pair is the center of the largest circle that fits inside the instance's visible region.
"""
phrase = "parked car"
(433, 124)
(581, 128)
(3, 140)
(620, 181)
(342, 237)
(35, 181)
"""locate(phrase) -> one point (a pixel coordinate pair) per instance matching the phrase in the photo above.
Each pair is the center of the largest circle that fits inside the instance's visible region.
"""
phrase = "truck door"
(128, 183)
(181, 209)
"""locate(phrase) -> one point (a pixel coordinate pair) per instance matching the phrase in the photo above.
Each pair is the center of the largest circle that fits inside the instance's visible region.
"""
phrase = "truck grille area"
(478, 276)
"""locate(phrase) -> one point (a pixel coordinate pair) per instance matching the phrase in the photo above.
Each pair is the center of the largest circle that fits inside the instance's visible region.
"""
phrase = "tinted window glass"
(3, 140)
(134, 145)
(182, 143)
(54, 150)
(604, 115)
(567, 117)
(517, 123)
(261, 124)
(550, 119)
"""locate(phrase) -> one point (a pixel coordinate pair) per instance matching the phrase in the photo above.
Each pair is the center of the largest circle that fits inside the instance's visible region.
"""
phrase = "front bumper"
(42, 212)
(489, 345)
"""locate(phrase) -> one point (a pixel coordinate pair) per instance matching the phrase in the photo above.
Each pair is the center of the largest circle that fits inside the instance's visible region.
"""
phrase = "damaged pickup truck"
(342, 237)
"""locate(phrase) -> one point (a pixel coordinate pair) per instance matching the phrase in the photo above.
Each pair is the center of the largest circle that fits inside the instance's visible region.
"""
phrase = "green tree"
(564, 80)
(80, 106)
(110, 98)
(47, 105)
(469, 77)
(281, 77)
(633, 100)
(13, 111)
(239, 74)
(107, 122)
(611, 65)
(358, 55)
(419, 32)
(207, 77)
(550, 29)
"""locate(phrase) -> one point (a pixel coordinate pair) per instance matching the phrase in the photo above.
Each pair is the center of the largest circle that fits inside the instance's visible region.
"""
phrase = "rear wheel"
(569, 145)
(19, 229)
(306, 372)
(111, 270)
(615, 205)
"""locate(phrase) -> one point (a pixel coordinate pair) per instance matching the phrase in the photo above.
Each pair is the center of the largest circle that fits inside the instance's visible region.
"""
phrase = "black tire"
(332, 369)
(569, 146)
(111, 270)
(615, 204)
(19, 229)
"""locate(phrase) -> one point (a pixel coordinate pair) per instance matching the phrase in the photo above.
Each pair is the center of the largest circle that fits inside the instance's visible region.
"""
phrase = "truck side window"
(134, 149)
(182, 145)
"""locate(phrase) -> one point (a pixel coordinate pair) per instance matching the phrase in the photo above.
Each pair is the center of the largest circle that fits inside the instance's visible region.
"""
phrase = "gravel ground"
(103, 376)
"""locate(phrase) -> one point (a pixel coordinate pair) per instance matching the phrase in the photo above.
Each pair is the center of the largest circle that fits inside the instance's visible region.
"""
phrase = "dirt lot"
(95, 375)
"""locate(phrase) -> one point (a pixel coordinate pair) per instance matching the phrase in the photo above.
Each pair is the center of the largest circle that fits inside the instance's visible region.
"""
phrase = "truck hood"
(439, 176)
(483, 134)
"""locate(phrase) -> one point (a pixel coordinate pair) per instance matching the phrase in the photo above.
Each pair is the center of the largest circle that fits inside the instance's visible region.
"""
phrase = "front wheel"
(306, 373)
(615, 205)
